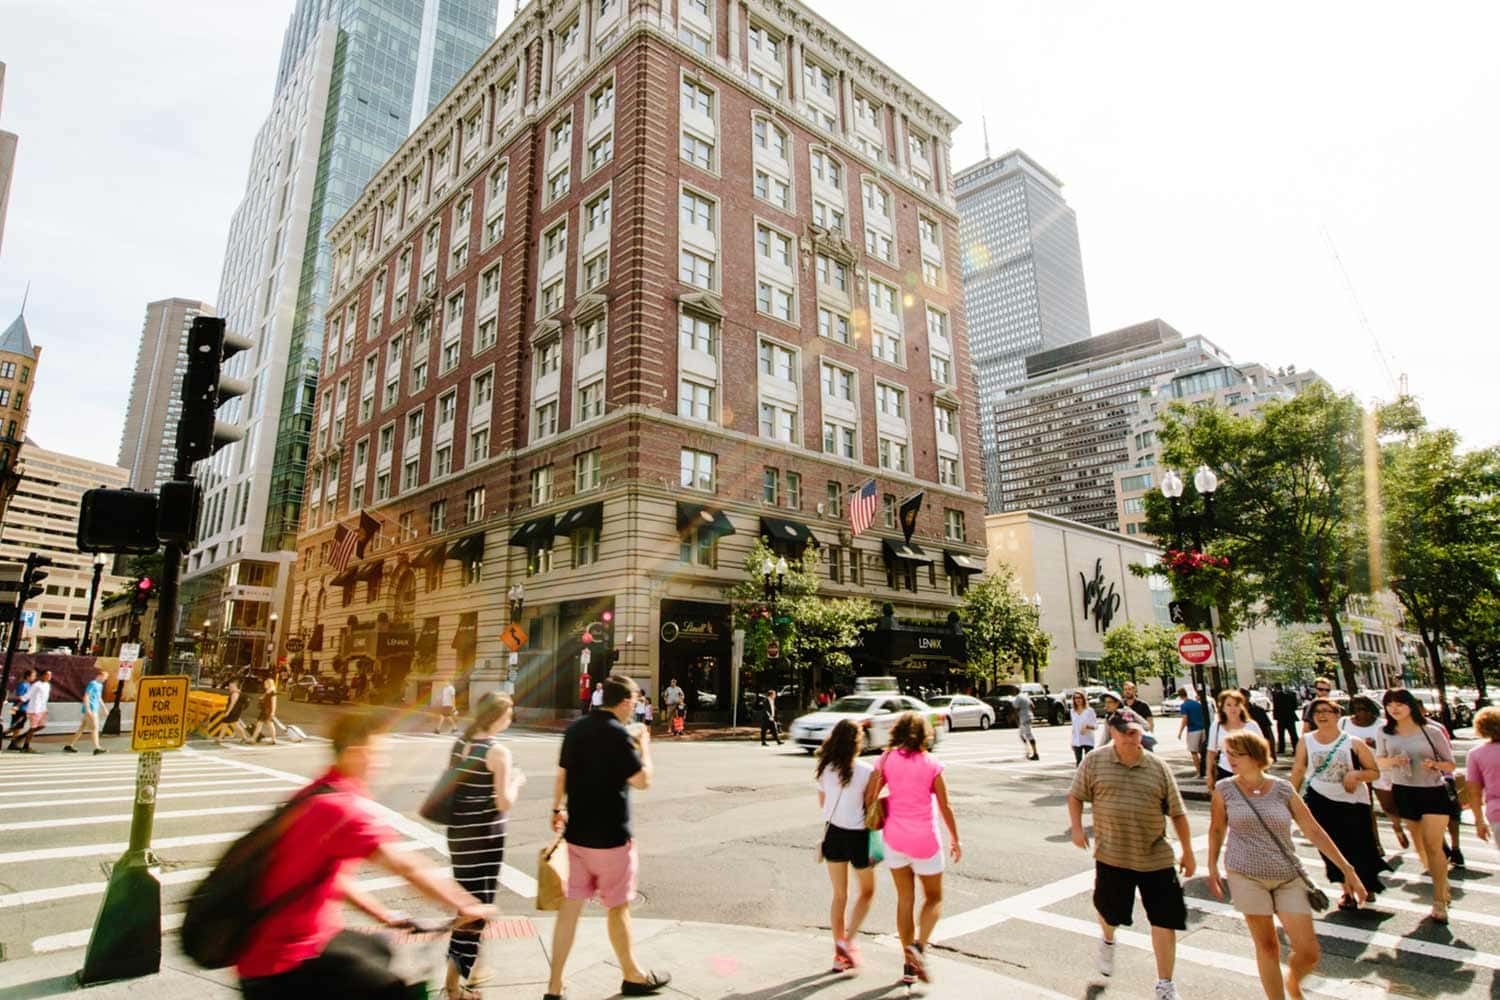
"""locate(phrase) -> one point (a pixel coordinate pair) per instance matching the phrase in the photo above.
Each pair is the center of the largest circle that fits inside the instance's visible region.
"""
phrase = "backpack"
(221, 913)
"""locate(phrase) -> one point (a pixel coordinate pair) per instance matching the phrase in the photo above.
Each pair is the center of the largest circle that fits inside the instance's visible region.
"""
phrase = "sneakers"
(845, 956)
(915, 963)
(908, 976)
(1105, 958)
(1456, 858)
(1165, 990)
(69, 748)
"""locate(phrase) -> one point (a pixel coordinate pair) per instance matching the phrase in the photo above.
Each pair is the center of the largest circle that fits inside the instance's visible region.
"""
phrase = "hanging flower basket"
(1190, 561)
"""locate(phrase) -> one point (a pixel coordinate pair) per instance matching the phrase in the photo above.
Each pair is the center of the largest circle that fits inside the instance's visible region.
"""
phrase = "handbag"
(551, 876)
(1327, 760)
(1316, 898)
(438, 806)
(875, 808)
(828, 822)
(1450, 781)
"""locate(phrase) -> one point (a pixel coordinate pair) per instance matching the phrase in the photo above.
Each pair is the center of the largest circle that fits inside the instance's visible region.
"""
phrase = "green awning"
(778, 529)
(590, 515)
(906, 552)
(432, 555)
(537, 531)
(694, 517)
(961, 564)
(468, 549)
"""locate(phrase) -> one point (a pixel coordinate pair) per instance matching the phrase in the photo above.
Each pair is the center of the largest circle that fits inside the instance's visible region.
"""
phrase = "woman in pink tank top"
(913, 848)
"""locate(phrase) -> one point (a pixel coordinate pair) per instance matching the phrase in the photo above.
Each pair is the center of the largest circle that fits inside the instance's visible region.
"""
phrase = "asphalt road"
(727, 835)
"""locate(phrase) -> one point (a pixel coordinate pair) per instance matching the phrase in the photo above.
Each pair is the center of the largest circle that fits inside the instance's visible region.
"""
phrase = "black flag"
(909, 508)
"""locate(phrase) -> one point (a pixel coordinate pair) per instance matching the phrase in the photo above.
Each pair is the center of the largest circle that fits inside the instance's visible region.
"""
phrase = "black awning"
(468, 549)
(537, 531)
(427, 639)
(432, 555)
(778, 529)
(590, 515)
(370, 570)
(906, 552)
(692, 516)
(960, 564)
(347, 578)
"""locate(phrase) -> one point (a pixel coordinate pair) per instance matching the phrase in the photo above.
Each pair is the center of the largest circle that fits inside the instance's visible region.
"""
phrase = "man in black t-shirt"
(601, 761)
(1136, 705)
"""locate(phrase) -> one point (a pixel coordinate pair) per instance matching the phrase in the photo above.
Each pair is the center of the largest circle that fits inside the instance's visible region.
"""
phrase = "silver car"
(959, 711)
(875, 713)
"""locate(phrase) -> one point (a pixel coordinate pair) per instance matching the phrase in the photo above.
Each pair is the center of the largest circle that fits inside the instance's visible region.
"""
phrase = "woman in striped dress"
(488, 785)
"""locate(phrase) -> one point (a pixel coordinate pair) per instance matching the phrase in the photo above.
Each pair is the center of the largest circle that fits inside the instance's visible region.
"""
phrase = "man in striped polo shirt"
(1132, 792)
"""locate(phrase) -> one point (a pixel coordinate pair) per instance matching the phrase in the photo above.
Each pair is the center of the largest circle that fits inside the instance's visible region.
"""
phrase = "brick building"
(651, 281)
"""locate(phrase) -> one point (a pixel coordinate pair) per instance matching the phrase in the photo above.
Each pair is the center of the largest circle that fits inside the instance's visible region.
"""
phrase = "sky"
(1309, 184)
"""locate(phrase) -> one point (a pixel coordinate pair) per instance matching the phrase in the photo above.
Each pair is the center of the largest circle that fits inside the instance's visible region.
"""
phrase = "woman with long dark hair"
(1420, 759)
(488, 785)
(1336, 767)
(1234, 717)
(913, 848)
(842, 779)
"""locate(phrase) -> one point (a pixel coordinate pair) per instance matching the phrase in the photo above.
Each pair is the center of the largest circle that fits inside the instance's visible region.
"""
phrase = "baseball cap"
(1125, 719)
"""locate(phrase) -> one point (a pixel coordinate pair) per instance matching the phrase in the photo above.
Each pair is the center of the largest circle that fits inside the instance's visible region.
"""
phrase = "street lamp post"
(84, 648)
(1206, 482)
(271, 645)
(517, 597)
(773, 578)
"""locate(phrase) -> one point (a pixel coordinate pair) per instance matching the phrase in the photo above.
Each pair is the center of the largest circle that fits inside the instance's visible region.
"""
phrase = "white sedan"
(874, 712)
(959, 711)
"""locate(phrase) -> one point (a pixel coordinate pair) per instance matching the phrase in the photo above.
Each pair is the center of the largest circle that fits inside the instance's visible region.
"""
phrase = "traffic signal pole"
(126, 939)
(29, 580)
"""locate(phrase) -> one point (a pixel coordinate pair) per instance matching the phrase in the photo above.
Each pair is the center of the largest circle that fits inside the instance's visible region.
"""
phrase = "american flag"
(862, 508)
(344, 541)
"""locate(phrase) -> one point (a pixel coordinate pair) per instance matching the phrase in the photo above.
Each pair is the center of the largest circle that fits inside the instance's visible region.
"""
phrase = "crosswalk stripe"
(97, 850)
(60, 793)
(259, 789)
(48, 824)
(1342, 989)
(60, 781)
(1463, 885)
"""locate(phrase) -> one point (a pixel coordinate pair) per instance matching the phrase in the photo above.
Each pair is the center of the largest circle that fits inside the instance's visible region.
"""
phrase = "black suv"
(1044, 707)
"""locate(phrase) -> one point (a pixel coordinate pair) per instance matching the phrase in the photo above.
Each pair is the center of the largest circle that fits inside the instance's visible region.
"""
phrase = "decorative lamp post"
(84, 647)
(517, 597)
(1206, 482)
(773, 578)
(271, 645)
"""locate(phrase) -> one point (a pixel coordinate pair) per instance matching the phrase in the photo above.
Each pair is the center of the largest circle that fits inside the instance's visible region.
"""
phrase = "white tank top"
(1327, 776)
(1369, 735)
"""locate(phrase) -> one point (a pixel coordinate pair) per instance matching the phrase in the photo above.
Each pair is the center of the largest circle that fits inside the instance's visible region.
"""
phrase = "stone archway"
(405, 596)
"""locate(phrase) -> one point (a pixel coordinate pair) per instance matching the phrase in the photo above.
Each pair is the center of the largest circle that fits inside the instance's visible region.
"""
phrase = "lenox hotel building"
(656, 278)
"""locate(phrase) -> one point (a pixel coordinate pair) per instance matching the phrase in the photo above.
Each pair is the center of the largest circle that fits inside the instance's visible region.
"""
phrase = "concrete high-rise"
(43, 518)
(354, 77)
(8, 142)
(148, 444)
(1061, 434)
(1023, 276)
(637, 232)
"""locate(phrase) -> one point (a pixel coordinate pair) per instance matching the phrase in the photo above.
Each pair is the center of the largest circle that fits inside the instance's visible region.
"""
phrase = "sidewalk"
(707, 961)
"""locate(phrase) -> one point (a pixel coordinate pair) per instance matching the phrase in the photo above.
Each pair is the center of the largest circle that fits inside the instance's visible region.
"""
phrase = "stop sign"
(1195, 647)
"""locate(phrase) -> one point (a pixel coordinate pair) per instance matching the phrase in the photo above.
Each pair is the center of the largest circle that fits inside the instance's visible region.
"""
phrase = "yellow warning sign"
(160, 713)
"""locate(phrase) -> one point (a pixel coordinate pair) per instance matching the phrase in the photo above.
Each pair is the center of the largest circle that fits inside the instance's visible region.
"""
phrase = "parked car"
(1044, 706)
(874, 712)
(1463, 712)
(959, 711)
(311, 688)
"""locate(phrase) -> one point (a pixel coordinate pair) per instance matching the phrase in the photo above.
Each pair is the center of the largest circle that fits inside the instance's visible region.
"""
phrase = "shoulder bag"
(438, 806)
(828, 822)
(1450, 782)
(1307, 781)
(1316, 898)
(875, 810)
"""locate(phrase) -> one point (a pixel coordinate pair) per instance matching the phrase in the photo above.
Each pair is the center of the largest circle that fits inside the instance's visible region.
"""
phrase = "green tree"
(1290, 507)
(1298, 653)
(1138, 649)
(1477, 630)
(1001, 628)
(1441, 519)
(819, 632)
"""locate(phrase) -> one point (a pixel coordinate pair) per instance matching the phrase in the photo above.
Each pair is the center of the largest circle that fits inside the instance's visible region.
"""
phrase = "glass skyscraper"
(354, 77)
(1023, 278)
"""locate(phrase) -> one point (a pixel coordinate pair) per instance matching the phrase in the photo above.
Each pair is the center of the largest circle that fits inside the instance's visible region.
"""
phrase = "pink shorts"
(604, 872)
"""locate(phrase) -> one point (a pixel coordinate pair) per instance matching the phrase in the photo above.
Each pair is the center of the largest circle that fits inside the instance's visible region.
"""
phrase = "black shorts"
(1415, 801)
(852, 846)
(1161, 894)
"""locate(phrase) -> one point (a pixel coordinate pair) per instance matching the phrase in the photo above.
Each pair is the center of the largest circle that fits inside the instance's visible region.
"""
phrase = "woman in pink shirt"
(912, 847)
(1484, 772)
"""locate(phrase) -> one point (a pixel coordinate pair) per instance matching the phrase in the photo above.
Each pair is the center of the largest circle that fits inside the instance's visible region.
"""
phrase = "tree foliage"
(1441, 517)
(1298, 652)
(1289, 510)
(1001, 629)
(1133, 650)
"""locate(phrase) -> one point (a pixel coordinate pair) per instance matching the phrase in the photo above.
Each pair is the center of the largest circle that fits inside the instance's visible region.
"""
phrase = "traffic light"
(31, 582)
(117, 521)
(140, 597)
(205, 388)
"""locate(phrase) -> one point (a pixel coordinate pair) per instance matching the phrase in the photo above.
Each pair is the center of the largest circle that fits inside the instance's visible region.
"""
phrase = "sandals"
(915, 964)
(1348, 903)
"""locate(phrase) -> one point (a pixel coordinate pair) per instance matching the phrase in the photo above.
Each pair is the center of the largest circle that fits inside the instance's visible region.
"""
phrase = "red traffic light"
(588, 637)
(607, 617)
(144, 584)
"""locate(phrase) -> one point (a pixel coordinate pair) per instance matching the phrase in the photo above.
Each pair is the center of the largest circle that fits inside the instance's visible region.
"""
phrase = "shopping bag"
(877, 847)
(552, 875)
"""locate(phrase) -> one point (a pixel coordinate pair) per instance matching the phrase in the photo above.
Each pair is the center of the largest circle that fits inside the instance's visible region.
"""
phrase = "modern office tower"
(8, 142)
(1023, 276)
(18, 365)
(355, 76)
(1061, 434)
(652, 281)
(43, 518)
(1242, 389)
(148, 444)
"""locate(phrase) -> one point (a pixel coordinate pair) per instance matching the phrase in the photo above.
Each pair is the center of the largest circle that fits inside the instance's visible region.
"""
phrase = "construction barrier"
(205, 714)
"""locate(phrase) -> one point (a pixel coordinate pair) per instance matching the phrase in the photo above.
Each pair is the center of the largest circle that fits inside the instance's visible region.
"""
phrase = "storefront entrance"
(693, 645)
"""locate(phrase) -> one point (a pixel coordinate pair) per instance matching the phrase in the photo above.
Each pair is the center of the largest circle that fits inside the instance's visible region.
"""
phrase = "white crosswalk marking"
(62, 817)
